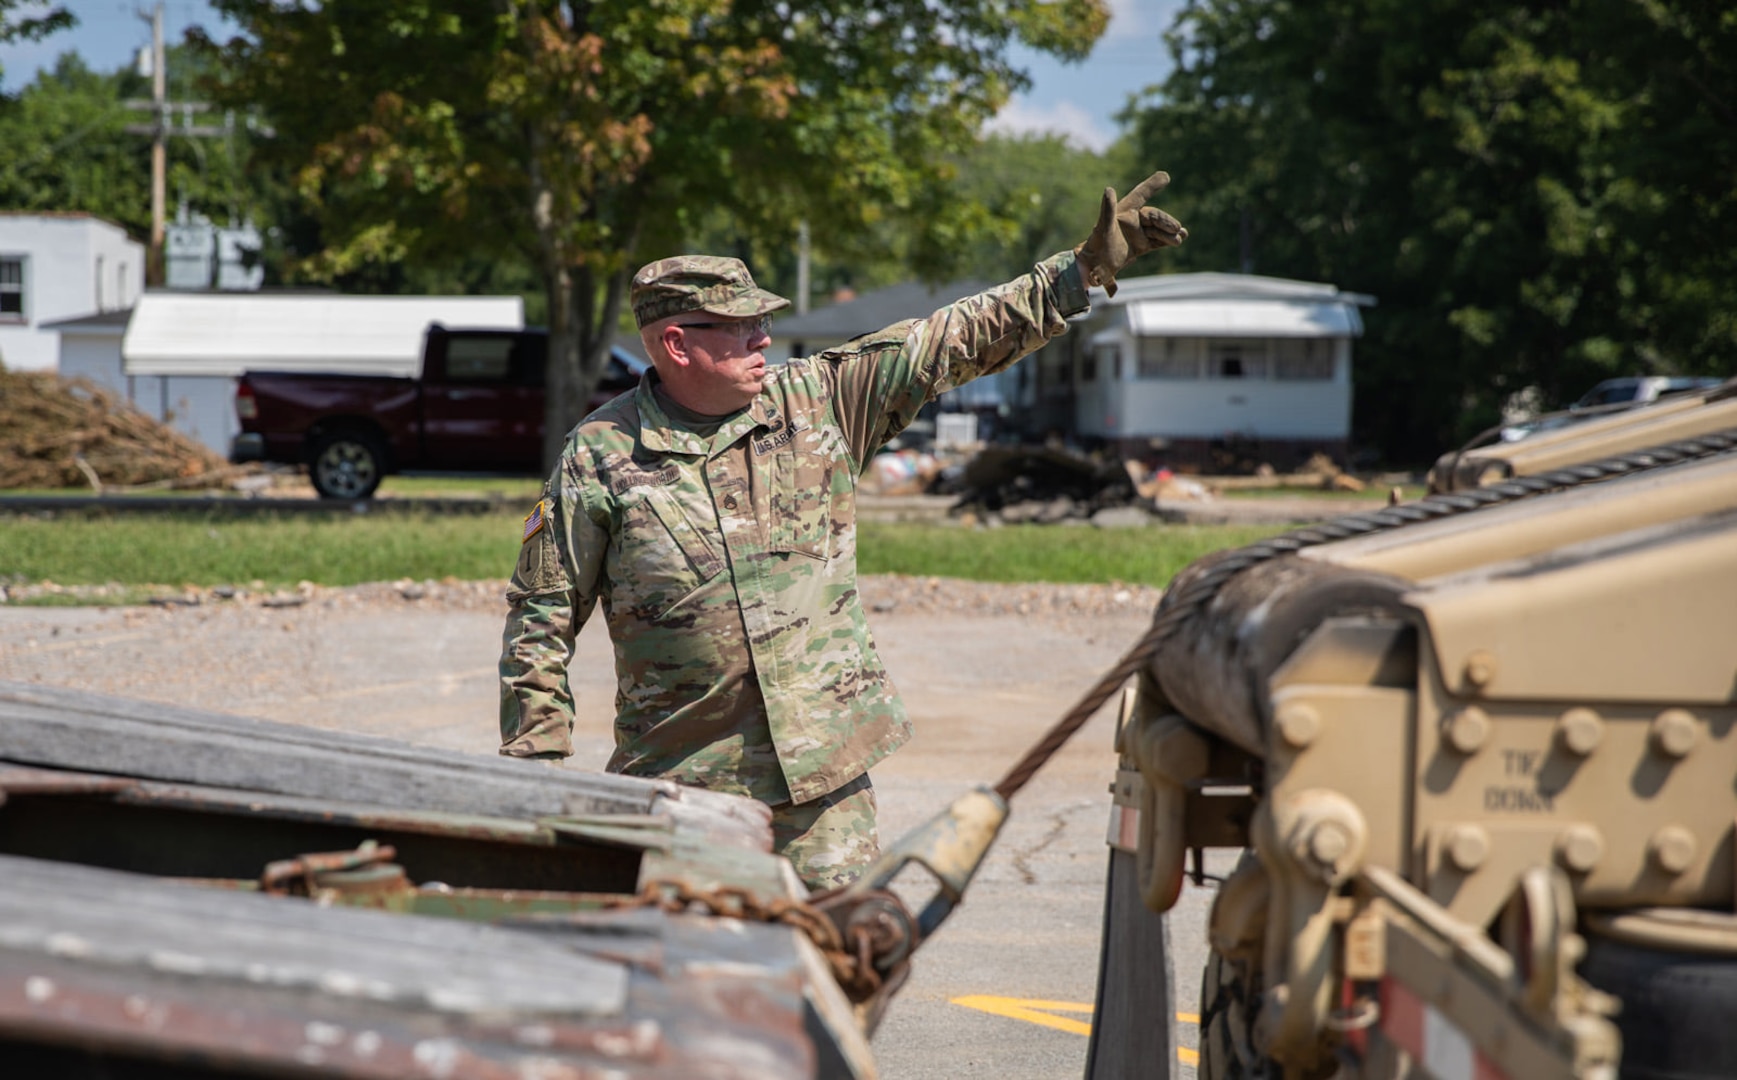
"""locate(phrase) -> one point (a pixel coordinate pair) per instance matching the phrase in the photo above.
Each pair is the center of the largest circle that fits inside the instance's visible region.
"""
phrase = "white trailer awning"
(1244, 317)
(225, 334)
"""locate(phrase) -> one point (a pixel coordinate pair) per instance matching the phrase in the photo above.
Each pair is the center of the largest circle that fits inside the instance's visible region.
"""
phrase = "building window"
(1165, 358)
(12, 288)
(1236, 360)
(1089, 366)
(1303, 358)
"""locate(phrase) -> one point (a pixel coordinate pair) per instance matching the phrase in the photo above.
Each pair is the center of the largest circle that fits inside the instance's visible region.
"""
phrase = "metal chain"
(1177, 606)
(851, 963)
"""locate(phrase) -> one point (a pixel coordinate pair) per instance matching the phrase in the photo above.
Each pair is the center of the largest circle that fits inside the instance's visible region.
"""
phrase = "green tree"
(68, 150)
(588, 137)
(34, 23)
(1539, 195)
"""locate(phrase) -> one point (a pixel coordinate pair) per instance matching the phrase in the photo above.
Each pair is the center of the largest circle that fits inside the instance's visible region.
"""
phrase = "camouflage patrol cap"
(710, 283)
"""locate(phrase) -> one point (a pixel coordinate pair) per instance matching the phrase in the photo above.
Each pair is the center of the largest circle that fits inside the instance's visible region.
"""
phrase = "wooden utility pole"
(159, 130)
(159, 149)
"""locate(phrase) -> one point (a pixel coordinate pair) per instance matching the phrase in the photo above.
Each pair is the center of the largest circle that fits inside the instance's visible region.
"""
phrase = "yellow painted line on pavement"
(1041, 1012)
(1031, 1010)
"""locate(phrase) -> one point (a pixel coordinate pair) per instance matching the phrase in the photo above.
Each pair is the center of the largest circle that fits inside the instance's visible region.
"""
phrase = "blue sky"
(1077, 100)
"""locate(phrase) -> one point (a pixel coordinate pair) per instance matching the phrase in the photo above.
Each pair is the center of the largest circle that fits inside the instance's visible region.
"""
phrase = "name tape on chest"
(779, 439)
(631, 478)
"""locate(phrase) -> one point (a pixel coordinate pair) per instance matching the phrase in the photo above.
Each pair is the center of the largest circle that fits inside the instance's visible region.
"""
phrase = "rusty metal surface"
(67, 729)
(267, 985)
(21, 780)
(445, 915)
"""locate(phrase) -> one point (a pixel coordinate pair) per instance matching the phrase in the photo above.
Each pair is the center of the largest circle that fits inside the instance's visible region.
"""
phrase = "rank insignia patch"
(534, 521)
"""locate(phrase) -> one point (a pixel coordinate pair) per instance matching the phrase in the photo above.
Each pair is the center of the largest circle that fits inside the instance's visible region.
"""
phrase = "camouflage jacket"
(727, 565)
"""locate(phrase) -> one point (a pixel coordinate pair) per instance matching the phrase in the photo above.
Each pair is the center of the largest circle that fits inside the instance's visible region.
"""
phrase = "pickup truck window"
(484, 359)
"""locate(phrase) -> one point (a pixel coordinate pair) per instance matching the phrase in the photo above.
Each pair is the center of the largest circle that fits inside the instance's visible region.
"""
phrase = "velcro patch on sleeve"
(534, 521)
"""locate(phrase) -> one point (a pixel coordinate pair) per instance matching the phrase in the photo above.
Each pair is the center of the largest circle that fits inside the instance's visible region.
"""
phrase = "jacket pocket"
(663, 555)
(802, 502)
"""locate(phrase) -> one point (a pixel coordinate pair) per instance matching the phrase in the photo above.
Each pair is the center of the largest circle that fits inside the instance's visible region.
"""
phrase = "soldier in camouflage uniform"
(713, 512)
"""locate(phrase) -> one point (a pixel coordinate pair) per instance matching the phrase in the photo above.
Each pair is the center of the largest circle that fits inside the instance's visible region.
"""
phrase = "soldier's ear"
(674, 341)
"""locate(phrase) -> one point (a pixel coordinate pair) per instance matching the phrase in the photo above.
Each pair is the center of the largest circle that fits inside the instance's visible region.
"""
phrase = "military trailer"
(1479, 756)
(193, 894)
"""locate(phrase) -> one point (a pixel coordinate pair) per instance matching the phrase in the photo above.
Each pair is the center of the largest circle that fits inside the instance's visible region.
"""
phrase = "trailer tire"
(1134, 1019)
(346, 464)
(1228, 1007)
(1676, 1008)
(1227, 1026)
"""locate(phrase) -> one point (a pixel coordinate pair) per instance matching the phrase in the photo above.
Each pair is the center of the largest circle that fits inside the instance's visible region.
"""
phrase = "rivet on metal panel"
(1672, 848)
(1675, 732)
(1467, 729)
(1580, 731)
(1580, 847)
(1298, 724)
(1467, 847)
(1481, 668)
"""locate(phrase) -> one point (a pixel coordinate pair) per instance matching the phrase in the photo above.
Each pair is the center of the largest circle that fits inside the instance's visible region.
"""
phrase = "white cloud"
(1064, 118)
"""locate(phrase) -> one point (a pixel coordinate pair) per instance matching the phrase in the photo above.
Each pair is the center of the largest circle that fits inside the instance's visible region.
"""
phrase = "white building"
(1178, 365)
(177, 355)
(55, 267)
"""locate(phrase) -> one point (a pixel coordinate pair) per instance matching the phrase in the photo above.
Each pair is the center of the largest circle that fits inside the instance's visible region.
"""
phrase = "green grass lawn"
(74, 549)
(1073, 554)
(125, 549)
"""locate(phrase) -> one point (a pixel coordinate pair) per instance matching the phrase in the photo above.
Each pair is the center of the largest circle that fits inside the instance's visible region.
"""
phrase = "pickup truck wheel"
(346, 465)
(1134, 1021)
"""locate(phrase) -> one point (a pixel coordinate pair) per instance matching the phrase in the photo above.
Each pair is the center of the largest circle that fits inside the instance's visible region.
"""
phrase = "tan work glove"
(1127, 230)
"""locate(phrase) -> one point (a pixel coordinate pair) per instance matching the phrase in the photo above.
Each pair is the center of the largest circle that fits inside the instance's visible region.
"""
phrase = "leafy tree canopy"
(1538, 195)
(69, 150)
(594, 136)
(28, 20)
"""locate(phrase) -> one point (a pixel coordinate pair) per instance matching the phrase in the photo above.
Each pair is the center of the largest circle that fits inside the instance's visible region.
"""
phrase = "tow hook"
(877, 927)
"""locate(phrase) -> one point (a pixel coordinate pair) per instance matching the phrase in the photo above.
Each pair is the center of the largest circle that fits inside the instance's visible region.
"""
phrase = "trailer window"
(11, 288)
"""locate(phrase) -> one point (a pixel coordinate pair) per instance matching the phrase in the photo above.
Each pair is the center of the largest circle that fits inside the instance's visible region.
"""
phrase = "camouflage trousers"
(830, 840)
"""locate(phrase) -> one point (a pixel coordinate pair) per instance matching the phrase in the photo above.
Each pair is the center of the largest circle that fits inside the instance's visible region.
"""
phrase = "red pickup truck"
(477, 407)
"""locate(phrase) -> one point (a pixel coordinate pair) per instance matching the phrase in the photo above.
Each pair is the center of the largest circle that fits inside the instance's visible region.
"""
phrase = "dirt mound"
(71, 433)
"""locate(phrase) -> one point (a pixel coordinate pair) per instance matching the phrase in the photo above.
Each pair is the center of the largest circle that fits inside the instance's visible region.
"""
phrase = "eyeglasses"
(743, 329)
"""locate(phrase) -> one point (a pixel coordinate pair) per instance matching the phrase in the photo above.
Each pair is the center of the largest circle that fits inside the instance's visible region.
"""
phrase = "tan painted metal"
(1520, 717)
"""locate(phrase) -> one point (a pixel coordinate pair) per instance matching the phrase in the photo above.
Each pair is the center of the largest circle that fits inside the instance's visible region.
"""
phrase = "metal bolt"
(1298, 724)
(1580, 730)
(1329, 842)
(1467, 847)
(1468, 729)
(1675, 732)
(1672, 848)
(1580, 847)
(1481, 668)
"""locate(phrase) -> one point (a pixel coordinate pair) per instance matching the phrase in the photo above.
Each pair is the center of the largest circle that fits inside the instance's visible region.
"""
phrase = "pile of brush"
(71, 433)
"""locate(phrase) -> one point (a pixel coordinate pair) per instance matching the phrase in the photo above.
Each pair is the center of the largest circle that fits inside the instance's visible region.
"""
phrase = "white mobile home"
(55, 267)
(1178, 364)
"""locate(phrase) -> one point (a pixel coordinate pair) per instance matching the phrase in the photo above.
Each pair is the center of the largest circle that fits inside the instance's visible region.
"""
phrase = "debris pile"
(66, 433)
(1037, 484)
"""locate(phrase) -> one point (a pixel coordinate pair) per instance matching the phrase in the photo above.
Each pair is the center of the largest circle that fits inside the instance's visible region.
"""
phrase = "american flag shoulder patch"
(534, 521)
